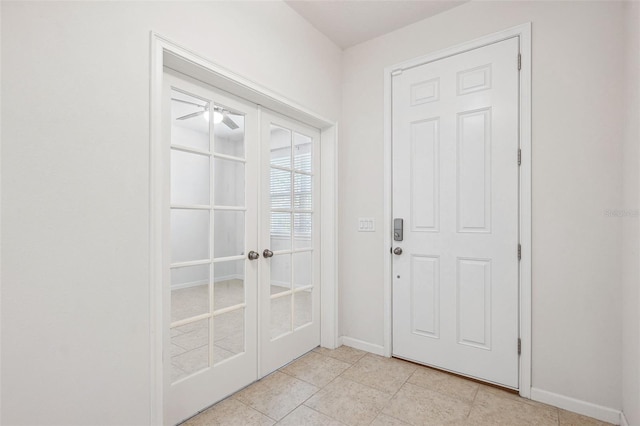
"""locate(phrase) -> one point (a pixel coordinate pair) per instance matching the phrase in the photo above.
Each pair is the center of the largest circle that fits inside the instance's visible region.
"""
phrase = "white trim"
(156, 373)
(585, 408)
(524, 33)
(329, 336)
(164, 52)
(623, 419)
(362, 345)
(387, 219)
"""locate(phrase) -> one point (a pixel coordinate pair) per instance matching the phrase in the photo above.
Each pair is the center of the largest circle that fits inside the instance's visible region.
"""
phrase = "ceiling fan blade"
(193, 114)
(229, 122)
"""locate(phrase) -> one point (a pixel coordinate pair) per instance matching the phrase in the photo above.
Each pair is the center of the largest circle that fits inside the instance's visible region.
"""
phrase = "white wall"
(631, 249)
(75, 184)
(578, 92)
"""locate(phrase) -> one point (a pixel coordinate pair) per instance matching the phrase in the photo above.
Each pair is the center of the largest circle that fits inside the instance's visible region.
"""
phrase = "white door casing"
(455, 185)
(210, 218)
(290, 240)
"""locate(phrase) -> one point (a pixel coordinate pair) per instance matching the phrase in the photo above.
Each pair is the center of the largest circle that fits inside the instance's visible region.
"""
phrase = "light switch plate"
(366, 224)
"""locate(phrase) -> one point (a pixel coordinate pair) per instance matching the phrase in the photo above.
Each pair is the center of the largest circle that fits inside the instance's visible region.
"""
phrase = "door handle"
(253, 255)
(397, 251)
(267, 253)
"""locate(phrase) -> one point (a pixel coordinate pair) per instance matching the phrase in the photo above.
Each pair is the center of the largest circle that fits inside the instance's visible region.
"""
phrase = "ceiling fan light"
(217, 117)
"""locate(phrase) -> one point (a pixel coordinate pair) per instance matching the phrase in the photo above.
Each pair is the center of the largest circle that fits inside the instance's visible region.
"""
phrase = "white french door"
(289, 288)
(210, 285)
(241, 277)
(455, 209)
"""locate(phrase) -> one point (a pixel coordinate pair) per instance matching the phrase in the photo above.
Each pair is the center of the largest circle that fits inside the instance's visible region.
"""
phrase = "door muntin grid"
(291, 230)
(208, 292)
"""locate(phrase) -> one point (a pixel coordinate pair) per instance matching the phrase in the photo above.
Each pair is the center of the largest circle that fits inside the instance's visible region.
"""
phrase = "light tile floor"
(350, 387)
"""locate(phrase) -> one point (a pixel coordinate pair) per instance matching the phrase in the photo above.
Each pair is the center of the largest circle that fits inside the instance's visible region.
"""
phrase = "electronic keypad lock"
(398, 225)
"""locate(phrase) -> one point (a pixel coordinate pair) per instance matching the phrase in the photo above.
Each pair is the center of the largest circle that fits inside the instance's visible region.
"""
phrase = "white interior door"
(455, 185)
(290, 271)
(210, 286)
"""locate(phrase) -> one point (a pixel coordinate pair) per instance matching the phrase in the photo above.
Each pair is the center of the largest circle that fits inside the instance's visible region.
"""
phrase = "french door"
(455, 204)
(211, 301)
(290, 275)
(241, 248)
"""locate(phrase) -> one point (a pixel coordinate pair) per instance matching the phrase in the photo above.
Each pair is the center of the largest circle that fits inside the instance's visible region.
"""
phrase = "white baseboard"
(623, 420)
(585, 408)
(205, 282)
(362, 345)
(189, 284)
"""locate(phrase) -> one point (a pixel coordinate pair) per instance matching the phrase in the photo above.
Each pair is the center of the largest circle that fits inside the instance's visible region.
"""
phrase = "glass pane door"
(211, 332)
(289, 284)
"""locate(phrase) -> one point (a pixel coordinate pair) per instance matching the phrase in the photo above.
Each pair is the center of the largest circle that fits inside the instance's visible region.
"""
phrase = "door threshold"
(462, 376)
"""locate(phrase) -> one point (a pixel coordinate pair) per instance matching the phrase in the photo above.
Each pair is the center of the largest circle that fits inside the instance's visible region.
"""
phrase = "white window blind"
(281, 196)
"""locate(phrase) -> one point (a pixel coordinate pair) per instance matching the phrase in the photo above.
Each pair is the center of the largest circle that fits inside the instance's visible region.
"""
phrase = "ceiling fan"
(219, 114)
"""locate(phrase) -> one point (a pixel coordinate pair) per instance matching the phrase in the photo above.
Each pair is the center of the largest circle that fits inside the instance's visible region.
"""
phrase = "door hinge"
(519, 251)
(519, 346)
(519, 156)
(519, 61)
(396, 72)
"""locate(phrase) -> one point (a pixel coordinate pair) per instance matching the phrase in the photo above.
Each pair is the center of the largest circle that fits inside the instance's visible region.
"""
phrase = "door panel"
(455, 184)
(210, 286)
(289, 286)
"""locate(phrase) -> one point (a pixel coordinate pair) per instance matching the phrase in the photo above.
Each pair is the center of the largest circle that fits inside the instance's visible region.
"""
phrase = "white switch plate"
(366, 224)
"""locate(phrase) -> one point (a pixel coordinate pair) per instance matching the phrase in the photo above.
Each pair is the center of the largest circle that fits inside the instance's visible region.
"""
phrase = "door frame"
(164, 52)
(523, 32)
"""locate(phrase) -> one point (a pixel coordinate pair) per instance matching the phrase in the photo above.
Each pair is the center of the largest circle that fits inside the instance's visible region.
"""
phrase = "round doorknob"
(267, 253)
(397, 250)
(253, 255)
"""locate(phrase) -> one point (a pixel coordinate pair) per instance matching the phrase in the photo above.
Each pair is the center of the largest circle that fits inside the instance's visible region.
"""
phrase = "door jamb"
(164, 52)
(523, 32)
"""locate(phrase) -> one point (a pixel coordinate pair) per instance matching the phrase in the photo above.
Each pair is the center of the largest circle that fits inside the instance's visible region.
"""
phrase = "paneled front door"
(455, 188)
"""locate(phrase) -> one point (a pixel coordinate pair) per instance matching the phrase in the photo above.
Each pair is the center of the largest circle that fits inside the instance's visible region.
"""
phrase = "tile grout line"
(318, 389)
(249, 407)
(393, 396)
(325, 386)
(330, 356)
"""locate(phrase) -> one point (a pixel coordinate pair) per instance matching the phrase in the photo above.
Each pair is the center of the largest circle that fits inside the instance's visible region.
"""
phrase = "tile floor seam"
(285, 416)
(248, 406)
(313, 384)
(475, 395)
(302, 380)
(271, 374)
(371, 387)
(400, 387)
(319, 412)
